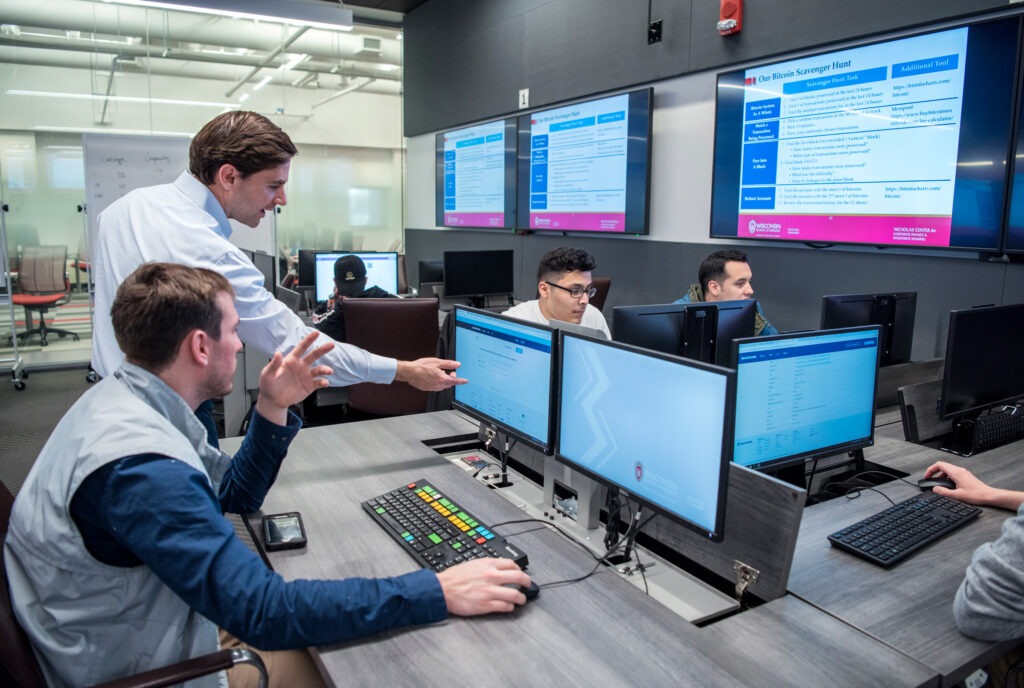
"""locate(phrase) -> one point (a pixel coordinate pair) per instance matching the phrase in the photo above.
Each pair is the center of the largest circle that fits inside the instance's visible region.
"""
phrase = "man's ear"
(227, 176)
(543, 290)
(196, 346)
(714, 288)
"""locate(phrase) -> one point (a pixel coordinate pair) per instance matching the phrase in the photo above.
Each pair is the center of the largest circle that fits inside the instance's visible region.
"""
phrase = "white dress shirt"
(184, 223)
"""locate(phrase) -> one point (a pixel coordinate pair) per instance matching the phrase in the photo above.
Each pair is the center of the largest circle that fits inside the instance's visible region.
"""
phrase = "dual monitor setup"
(705, 331)
(660, 427)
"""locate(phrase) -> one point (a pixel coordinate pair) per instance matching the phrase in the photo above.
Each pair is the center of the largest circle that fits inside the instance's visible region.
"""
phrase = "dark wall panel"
(789, 281)
(465, 60)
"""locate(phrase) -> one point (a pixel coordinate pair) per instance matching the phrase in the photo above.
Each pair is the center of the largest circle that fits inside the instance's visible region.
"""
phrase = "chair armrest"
(191, 668)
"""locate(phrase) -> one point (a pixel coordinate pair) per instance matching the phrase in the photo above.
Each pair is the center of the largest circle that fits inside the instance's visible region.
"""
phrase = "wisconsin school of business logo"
(752, 227)
(750, 81)
(638, 471)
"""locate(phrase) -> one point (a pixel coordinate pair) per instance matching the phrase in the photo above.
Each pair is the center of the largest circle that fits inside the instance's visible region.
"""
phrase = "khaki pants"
(285, 668)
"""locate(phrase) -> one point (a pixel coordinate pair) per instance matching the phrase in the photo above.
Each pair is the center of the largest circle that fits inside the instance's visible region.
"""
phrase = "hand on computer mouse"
(936, 481)
(483, 586)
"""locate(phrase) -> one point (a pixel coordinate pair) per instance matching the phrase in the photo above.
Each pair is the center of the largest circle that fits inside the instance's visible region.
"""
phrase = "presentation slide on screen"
(826, 141)
(508, 366)
(652, 426)
(578, 166)
(795, 396)
(474, 176)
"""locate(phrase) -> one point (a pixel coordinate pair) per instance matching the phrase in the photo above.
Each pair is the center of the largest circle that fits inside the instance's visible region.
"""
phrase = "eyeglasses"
(576, 292)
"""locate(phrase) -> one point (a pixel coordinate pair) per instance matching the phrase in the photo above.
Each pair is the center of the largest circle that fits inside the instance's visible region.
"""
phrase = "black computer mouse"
(929, 483)
(531, 592)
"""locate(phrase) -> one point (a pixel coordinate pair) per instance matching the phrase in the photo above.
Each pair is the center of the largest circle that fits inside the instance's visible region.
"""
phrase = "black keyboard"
(436, 531)
(894, 534)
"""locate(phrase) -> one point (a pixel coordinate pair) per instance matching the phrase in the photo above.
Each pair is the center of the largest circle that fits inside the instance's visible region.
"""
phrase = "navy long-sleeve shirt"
(159, 512)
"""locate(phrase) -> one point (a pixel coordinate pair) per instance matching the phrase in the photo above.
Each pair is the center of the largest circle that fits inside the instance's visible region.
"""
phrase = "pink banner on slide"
(589, 222)
(906, 230)
(474, 219)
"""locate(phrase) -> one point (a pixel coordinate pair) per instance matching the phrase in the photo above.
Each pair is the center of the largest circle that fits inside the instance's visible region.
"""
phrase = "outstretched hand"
(290, 378)
(429, 374)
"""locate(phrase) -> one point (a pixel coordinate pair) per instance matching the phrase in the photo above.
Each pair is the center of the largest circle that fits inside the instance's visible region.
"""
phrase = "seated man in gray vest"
(119, 557)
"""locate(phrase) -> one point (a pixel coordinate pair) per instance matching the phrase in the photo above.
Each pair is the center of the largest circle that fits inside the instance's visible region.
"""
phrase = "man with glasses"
(564, 288)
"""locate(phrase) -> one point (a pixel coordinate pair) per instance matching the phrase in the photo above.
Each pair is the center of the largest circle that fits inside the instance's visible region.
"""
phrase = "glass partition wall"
(74, 68)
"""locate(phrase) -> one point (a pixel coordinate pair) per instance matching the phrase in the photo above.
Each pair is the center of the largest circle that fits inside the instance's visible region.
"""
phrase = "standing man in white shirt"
(565, 286)
(238, 167)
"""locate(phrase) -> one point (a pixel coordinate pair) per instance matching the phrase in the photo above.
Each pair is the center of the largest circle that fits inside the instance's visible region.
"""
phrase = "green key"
(435, 538)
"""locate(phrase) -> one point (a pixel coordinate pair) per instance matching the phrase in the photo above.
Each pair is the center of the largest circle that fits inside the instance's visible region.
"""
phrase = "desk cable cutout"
(603, 560)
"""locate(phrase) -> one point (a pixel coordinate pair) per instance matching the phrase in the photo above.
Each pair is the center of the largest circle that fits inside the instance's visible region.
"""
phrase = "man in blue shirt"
(726, 276)
(119, 557)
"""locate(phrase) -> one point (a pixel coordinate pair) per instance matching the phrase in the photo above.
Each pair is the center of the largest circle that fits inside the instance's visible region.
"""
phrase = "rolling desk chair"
(602, 284)
(43, 284)
(19, 666)
(405, 329)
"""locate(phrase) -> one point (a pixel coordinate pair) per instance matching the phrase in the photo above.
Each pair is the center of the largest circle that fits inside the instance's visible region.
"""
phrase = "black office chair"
(19, 666)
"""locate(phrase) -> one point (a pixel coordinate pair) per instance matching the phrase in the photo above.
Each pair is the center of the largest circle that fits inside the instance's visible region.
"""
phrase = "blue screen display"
(657, 427)
(804, 394)
(508, 365)
(381, 271)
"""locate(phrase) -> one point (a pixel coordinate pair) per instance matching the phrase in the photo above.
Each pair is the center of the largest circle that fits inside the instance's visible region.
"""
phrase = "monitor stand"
(561, 483)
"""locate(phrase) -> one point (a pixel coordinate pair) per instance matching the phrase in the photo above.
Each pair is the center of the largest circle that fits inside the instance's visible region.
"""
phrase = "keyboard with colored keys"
(436, 531)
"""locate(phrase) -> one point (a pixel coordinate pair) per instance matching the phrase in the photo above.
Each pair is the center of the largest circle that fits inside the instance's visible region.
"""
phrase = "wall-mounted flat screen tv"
(901, 142)
(585, 167)
(475, 183)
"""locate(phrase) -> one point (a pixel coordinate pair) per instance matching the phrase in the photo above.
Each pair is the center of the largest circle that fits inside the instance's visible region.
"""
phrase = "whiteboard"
(116, 164)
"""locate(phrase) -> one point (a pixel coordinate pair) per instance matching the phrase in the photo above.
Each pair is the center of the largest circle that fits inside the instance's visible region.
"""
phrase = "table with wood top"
(602, 631)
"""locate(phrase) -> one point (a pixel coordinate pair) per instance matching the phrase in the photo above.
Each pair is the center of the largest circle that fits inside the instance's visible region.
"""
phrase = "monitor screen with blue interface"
(656, 426)
(806, 394)
(509, 366)
(381, 271)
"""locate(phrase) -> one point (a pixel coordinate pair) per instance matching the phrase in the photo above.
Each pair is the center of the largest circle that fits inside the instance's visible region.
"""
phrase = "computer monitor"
(701, 331)
(431, 272)
(984, 366)
(893, 311)
(803, 395)
(265, 264)
(510, 368)
(381, 271)
(307, 267)
(474, 275)
(657, 427)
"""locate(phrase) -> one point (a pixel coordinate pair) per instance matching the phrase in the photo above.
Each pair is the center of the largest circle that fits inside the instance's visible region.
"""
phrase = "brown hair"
(247, 140)
(159, 304)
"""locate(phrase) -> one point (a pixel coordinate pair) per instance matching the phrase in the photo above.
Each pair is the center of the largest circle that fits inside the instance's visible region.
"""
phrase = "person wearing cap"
(349, 283)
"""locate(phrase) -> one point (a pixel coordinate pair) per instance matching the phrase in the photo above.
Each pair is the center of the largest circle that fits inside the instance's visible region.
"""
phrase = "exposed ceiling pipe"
(266, 61)
(342, 92)
(110, 86)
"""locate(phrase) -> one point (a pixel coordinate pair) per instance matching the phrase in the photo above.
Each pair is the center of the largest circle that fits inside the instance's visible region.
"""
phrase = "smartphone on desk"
(283, 531)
